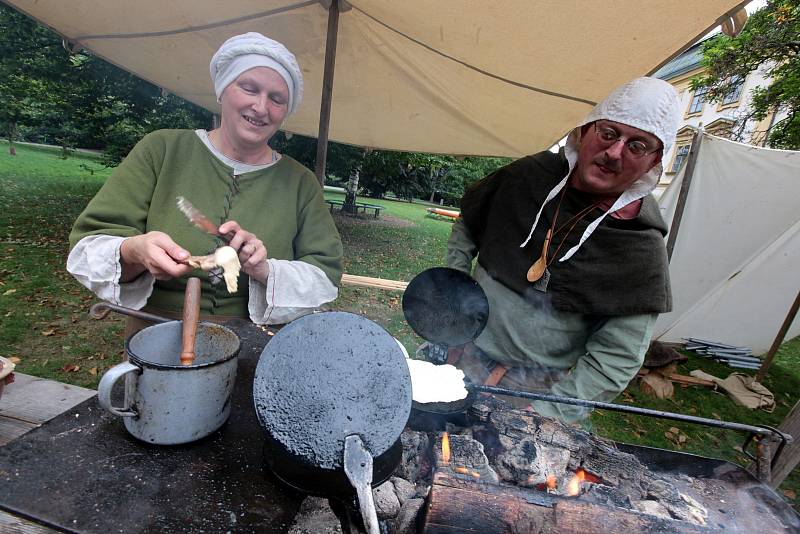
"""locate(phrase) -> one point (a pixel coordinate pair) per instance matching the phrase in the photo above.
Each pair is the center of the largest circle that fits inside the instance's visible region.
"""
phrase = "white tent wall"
(735, 269)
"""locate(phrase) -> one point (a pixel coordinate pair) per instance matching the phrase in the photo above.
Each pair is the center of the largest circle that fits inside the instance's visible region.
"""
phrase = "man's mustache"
(605, 161)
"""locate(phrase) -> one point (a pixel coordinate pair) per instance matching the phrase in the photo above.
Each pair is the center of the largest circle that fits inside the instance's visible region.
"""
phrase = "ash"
(496, 444)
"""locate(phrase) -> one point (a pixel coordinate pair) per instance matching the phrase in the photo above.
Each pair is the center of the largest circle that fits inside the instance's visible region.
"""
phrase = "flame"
(445, 448)
(466, 471)
(551, 482)
(574, 485)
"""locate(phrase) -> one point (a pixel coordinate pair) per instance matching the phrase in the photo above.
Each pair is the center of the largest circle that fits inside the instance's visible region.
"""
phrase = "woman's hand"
(251, 250)
(154, 252)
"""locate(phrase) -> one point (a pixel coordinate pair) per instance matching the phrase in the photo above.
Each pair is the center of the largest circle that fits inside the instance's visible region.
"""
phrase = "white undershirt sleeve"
(94, 262)
(293, 289)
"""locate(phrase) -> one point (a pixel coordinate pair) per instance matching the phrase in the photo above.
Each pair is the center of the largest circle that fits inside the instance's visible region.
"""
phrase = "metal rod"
(101, 309)
(759, 431)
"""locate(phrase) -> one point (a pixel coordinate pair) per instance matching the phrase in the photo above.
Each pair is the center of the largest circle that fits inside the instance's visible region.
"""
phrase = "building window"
(698, 100)
(733, 95)
(680, 155)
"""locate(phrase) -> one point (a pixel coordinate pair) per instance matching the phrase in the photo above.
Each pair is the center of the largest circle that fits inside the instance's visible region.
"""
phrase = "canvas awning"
(507, 77)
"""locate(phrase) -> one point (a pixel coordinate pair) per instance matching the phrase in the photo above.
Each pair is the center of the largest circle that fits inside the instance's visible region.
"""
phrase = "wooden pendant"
(537, 269)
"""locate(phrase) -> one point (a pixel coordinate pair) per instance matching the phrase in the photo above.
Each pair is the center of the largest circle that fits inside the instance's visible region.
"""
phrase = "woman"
(129, 244)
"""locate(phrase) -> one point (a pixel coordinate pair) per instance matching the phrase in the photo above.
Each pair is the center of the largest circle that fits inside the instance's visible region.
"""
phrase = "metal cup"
(167, 403)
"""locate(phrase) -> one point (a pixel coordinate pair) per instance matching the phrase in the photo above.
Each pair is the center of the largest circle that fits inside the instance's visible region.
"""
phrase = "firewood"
(456, 503)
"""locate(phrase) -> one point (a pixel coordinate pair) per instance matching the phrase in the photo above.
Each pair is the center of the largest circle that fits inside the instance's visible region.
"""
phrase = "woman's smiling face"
(254, 106)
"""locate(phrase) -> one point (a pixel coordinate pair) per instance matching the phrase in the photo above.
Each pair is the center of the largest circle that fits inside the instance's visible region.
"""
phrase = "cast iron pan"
(446, 306)
(321, 378)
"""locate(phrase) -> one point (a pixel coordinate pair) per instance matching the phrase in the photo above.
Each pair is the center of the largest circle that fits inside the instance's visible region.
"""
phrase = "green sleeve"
(461, 249)
(317, 241)
(120, 207)
(614, 354)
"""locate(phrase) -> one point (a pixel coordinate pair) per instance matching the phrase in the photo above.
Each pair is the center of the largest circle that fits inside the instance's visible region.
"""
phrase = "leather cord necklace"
(537, 270)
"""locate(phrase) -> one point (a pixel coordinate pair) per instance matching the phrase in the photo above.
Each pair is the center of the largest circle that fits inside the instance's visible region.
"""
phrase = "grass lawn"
(46, 325)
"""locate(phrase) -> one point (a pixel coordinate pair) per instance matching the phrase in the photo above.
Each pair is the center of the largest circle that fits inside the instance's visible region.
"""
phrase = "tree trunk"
(12, 134)
(350, 192)
(433, 176)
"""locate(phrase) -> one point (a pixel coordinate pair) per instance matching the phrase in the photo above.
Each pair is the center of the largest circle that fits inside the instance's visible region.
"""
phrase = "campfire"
(507, 470)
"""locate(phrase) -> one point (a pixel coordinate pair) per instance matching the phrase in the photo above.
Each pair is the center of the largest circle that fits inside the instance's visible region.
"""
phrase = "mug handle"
(107, 383)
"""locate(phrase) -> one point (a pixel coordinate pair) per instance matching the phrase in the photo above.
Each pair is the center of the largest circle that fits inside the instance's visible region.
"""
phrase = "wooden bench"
(333, 203)
(360, 207)
(376, 210)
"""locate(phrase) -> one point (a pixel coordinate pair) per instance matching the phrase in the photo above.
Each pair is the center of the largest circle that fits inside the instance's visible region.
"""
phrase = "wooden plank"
(790, 456)
(375, 283)
(36, 400)
(11, 524)
(11, 429)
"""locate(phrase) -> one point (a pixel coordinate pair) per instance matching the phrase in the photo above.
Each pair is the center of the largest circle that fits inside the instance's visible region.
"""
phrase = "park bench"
(360, 207)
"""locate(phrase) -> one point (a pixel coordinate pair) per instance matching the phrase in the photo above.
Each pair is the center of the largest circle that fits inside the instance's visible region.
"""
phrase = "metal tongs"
(358, 468)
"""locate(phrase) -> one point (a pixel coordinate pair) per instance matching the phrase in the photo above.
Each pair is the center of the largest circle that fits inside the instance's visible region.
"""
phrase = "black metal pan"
(446, 306)
(322, 378)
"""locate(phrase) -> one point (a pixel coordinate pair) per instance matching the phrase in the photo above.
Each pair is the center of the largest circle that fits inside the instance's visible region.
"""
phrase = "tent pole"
(684, 193)
(778, 339)
(327, 91)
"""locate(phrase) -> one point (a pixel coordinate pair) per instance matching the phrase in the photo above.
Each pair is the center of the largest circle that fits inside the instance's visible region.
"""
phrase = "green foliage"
(408, 175)
(49, 95)
(770, 41)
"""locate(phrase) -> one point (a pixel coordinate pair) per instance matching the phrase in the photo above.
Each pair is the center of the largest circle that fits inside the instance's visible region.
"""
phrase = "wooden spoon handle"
(191, 313)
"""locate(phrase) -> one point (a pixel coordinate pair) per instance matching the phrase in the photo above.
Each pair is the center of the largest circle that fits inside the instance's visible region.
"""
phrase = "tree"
(30, 57)
(770, 41)
(49, 94)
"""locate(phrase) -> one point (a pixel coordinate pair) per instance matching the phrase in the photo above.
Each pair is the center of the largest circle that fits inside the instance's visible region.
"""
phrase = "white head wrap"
(249, 50)
(648, 104)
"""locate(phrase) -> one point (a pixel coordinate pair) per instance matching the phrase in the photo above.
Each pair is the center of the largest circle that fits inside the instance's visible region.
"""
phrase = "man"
(571, 254)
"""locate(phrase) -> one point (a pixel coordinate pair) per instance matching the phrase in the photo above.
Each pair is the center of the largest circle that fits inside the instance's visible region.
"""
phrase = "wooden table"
(27, 404)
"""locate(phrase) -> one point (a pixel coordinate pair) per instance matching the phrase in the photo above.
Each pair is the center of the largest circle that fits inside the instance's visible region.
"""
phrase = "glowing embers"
(575, 486)
(445, 448)
(463, 457)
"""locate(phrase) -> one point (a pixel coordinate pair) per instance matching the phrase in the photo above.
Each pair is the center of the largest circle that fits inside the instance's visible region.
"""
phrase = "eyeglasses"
(635, 148)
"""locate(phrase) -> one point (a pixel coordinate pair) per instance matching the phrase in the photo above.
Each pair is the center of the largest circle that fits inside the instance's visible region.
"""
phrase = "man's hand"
(154, 252)
(251, 250)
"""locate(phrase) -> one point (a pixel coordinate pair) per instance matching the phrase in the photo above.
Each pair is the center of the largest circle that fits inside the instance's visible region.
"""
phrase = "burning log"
(526, 450)
(471, 460)
(456, 502)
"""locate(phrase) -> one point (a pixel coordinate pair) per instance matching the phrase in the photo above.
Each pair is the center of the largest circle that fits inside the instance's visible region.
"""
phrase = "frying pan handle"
(191, 314)
(107, 384)
(101, 309)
